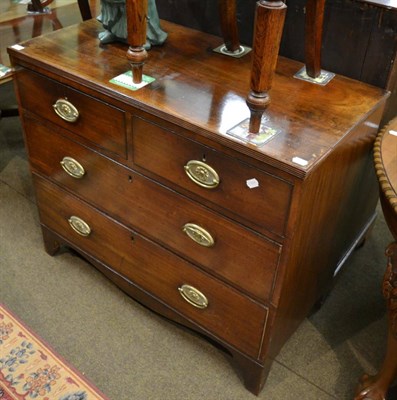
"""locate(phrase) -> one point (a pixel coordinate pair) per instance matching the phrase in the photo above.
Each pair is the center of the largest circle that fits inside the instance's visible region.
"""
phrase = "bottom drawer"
(216, 307)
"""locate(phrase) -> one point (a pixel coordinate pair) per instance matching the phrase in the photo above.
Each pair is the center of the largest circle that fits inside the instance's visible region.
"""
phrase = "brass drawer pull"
(202, 174)
(66, 110)
(72, 167)
(193, 296)
(79, 226)
(199, 235)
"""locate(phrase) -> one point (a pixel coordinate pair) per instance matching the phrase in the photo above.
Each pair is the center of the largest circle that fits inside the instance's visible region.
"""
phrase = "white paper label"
(252, 183)
(394, 133)
(17, 47)
(300, 161)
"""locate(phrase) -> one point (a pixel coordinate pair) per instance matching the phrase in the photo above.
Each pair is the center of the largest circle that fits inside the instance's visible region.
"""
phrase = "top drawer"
(246, 191)
(98, 122)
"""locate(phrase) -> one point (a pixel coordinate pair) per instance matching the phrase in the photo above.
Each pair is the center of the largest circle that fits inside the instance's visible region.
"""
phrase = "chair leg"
(39, 7)
(85, 10)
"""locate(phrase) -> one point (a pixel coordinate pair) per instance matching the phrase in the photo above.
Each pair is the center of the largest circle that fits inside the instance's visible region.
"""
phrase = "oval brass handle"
(79, 226)
(198, 235)
(66, 110)
(202, 174)
(193, 296)
(72, 167)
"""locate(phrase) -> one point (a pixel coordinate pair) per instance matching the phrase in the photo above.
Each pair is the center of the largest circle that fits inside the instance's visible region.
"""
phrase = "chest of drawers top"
(199, 94)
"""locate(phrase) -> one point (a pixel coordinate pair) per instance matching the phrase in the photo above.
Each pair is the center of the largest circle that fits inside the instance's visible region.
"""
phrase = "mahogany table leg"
(313, 36)
(376, 387)
(136, 28)
(228, 19)
(37, 25)
(269, 23)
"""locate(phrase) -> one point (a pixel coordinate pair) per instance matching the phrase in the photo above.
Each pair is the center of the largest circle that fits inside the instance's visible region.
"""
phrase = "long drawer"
(84, 116)
(197, 233)
(248, 192)
(219, 309)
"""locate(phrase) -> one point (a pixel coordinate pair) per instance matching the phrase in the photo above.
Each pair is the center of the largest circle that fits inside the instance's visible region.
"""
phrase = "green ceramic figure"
(114, 19)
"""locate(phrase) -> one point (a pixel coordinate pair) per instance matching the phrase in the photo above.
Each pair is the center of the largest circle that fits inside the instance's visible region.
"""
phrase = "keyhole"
(204, 158)
(129, 178)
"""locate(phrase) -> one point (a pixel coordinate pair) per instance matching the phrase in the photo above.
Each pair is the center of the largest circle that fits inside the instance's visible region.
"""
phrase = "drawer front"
(86, 117)
(244, 258)
(216, 307)
(248, 192)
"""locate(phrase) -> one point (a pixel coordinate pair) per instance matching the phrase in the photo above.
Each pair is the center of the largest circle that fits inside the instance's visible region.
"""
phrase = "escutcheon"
(193, 296)
(66, 110)
(202, 174)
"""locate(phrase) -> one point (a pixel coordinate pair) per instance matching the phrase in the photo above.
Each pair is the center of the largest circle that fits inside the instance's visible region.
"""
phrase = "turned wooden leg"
(136, 28)
(313, 36)
(269, 23)
(227, 13)
(376, 387)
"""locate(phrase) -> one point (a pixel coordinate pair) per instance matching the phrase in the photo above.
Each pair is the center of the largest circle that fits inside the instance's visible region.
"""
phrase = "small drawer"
(244, 258)
(219, 309)
(85, 116)
(246, 191)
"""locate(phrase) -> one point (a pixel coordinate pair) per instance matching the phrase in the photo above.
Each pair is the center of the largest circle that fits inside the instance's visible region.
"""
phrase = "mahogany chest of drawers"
(235, 241)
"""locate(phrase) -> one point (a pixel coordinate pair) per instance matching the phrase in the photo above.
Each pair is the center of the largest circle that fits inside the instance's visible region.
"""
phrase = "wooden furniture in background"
(38, 6)
(16, 26)
(385, 155)
(235, 241)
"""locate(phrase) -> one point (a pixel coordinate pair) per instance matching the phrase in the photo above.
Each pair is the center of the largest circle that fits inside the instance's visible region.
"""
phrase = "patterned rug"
(29, 369)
